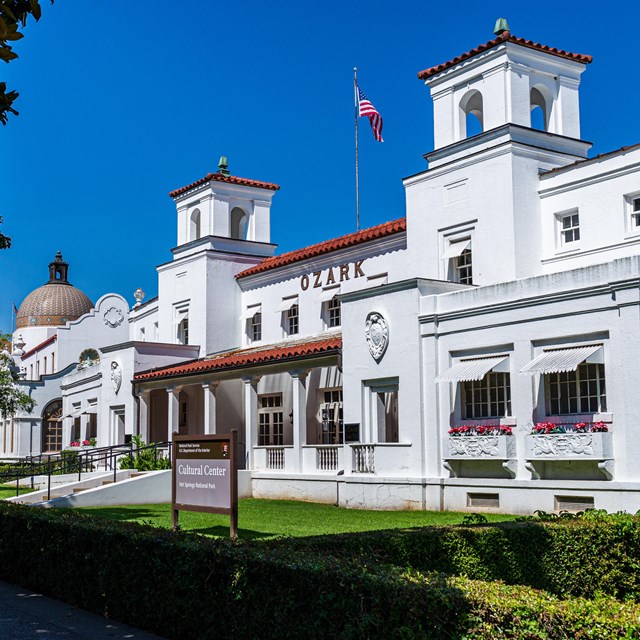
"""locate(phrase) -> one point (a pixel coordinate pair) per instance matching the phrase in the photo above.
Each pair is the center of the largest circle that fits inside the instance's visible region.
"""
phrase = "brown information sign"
(205, 476)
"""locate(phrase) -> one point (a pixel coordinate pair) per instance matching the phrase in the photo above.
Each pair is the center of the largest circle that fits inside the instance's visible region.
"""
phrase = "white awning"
(251, 311)
(286, 304)
(455, 249)
(328, 294)
(560, 360)
(471, 369)
(76, 413)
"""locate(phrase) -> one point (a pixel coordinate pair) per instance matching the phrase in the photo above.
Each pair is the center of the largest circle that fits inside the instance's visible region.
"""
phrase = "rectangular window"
(331, 414)
(255, 327)
(635, 212)
(569, 229)
(387, 415)
(142, 334)
(53, 363)
(181, 323)
(487, 398)
(293, 320)
(333, 313)
(45, 365)
(463, 269)
(270, 421)
(37, 368)
(576, 392)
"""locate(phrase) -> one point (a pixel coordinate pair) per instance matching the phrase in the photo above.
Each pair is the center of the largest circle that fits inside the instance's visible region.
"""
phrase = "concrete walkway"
(25, 615)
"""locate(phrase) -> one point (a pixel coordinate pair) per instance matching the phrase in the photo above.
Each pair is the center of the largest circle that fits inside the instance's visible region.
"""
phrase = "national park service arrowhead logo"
(377, 335)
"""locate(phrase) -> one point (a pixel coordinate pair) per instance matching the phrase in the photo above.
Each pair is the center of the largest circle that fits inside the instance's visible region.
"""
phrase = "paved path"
(25, 615)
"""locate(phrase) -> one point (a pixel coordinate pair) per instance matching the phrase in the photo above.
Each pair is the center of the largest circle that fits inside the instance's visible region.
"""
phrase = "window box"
(485, 447)
(571, 445)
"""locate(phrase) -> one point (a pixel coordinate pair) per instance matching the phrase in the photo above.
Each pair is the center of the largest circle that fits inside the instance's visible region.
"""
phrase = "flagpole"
(355, 101)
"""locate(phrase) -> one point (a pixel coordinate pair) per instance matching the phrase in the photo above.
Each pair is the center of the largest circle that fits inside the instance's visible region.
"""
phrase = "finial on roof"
(501, 27)
(222, 166)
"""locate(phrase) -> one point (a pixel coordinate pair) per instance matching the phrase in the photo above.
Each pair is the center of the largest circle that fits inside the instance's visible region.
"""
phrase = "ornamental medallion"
(113, 317)
(377, 335)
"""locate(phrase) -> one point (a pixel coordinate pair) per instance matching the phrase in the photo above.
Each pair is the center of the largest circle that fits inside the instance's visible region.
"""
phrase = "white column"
(209, 393)
(173, 417)
(143, 417)
(250, 401)
(299, 406)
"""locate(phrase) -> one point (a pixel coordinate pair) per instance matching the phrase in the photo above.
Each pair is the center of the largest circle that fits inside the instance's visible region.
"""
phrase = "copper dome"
(56, 302)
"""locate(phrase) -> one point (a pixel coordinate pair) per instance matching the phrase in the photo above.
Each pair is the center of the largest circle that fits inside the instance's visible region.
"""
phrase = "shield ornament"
(377, 335)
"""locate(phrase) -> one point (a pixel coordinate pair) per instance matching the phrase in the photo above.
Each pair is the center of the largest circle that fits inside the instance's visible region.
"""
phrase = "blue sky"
(122, 102)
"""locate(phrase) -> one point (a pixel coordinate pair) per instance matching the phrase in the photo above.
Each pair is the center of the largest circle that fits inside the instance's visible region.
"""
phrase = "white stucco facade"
(507, 299)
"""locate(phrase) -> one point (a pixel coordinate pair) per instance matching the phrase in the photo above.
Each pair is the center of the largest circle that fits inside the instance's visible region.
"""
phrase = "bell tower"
(504, 82)
(224, 206)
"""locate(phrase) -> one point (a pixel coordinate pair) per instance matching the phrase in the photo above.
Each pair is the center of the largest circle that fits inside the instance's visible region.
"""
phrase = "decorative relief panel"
(480, 447)
(113, 317)
(377, 335)
(585, 446)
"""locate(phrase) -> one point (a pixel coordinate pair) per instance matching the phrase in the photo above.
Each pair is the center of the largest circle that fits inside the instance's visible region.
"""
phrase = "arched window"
(471, 115)
(194, 225)
(238, 223)
(539, 110)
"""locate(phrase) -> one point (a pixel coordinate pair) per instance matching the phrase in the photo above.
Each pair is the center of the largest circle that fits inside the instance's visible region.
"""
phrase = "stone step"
(107, 482)
(137, 474)
(79, 489)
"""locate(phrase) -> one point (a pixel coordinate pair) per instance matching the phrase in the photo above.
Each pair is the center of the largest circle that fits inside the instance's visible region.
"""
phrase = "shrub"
(184, 586)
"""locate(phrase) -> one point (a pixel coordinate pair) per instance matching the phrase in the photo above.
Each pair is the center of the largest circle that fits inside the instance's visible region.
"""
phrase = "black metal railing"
(70, 461)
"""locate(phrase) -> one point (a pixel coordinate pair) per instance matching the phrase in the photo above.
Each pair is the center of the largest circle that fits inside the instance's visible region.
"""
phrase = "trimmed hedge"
(184, 586)
(572, 558)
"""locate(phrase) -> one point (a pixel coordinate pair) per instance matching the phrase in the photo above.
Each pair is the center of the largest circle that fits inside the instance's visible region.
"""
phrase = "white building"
(508, 297)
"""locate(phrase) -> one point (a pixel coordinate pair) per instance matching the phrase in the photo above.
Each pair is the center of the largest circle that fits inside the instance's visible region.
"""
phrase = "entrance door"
(52, 427)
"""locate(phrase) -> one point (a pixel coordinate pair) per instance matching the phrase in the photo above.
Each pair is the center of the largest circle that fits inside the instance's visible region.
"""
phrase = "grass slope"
(270, 518)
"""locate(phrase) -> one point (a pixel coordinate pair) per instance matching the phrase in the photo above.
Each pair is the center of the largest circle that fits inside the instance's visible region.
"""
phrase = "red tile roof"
(504, 37)
(39, 347)
(219, 177)
(350, 240)
(246, 357)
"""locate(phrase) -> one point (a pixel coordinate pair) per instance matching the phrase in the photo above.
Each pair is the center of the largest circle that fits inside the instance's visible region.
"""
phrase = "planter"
(479, 447)
(569, 446)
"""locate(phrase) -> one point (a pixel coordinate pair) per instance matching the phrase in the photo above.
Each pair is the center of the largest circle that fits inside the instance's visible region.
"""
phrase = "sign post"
(204, 476)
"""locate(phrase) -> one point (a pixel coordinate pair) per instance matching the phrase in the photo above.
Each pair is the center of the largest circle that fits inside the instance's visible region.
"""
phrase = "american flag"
(365, 108)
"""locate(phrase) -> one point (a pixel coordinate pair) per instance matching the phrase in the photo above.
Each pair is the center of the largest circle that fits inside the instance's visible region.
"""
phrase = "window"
(293, 320)
(37, 368)
(579, 391)
(333, 312)
(487, 398)
(142, 334)
(331, 417)
(387, 415)
(270, 421)
(632, 208)
(459, 259)
(45, 365)
(255, 327)
(569, 229)
(463, 269)
(53, 363)
(183, 329)
(635, 212)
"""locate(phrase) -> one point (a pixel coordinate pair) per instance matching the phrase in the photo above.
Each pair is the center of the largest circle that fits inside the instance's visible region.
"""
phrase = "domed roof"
(54, 303)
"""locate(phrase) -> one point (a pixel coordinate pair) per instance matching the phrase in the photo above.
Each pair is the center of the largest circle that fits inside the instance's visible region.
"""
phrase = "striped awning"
(328, 294)
(560, 360)
(455, 249)
(287, 303)
(470, 369)
(249, 312)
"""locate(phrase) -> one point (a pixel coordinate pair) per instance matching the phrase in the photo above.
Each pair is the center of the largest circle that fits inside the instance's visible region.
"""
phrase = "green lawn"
(269, 518)
(7, 491)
